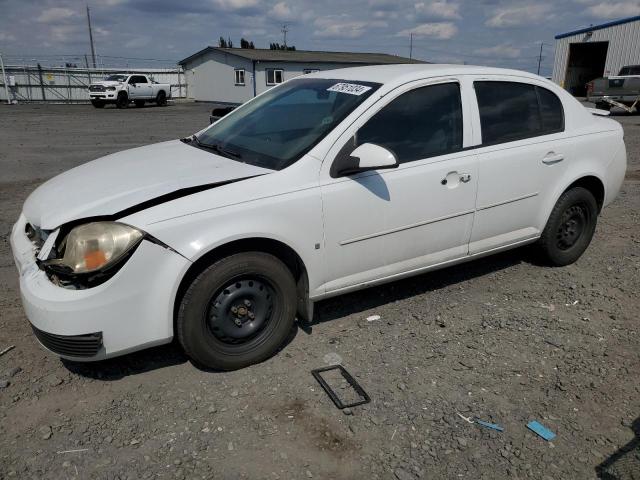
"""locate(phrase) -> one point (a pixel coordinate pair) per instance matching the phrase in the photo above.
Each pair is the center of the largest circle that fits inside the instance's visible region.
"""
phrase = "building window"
(274, 76)
(239, 73)
(307, 71)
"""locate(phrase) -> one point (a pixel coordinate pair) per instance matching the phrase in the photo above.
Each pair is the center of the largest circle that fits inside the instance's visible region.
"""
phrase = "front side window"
(512, 111)
(239, 74)
(278, 127)
(422, 123)
(274, 76)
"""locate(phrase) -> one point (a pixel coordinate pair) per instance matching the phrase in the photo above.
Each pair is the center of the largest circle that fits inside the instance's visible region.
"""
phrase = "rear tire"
(97, 103)
(122, 100)
(238, 311)
(161, 99)
(139, 103)
(570, 227)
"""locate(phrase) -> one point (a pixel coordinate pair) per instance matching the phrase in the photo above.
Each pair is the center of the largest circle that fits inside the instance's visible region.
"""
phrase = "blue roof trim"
(599, 27)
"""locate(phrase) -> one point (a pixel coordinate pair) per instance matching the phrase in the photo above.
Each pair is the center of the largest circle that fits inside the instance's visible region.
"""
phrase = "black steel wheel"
(161, 99)
(238, 311)
(123, 100)
(570, 227)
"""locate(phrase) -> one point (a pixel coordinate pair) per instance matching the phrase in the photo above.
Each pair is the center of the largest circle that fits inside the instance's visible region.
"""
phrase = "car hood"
(127, 179)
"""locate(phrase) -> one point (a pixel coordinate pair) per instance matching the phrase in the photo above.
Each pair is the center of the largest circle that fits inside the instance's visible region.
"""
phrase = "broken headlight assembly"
(91, 253)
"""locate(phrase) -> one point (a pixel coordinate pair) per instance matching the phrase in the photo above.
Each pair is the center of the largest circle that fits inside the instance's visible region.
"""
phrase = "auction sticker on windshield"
(350, 88)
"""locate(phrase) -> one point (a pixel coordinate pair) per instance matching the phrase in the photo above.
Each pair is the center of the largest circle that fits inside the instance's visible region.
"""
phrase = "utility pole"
(93, 51)
(540, 57)
(4, 80)
(411, 45)
(284, 34)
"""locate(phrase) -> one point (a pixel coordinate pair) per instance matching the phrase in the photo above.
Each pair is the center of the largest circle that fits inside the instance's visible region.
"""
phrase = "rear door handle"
(552, 157)
(465, 177)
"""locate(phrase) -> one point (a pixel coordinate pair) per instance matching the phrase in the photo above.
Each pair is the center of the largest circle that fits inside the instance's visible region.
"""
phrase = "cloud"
(237, 5)
(6, 37)
(440, 9)
(281, 12)
(341, 26)
(138, 42)
(611, 10)
(513, 16)
(439, 31)
(504, 51)
(55, 14)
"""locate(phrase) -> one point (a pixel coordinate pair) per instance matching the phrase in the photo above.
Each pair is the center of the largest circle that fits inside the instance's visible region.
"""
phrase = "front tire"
(570, 227)
(238, 311)
(123, 100)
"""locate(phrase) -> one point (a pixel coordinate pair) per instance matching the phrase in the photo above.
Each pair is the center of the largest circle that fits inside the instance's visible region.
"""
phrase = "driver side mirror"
(367, 156)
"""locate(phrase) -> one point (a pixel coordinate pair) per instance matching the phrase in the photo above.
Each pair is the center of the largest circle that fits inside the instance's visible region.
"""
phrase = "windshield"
(116, 78)
(631, 70)
(277, 128)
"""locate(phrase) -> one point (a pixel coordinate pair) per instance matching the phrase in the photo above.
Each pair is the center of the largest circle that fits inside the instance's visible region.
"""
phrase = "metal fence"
(29, 83)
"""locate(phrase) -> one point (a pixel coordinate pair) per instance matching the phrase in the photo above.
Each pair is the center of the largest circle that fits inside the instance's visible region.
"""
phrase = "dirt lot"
(502, 339)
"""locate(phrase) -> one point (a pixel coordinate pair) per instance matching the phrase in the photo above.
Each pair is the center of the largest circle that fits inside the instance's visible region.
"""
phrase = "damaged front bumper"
(130, 311)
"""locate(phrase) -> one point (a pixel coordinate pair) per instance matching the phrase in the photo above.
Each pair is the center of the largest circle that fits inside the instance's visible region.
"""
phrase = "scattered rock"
(45, 432)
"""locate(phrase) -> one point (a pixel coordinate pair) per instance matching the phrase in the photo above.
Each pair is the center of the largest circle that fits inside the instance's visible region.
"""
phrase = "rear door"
(523, 152)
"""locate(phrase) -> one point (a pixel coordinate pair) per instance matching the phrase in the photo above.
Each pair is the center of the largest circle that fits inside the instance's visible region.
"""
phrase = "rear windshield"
(116, 78)
(277, 128)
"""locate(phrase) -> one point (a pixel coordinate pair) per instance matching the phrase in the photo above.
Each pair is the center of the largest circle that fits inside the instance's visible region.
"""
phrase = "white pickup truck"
(124, 88)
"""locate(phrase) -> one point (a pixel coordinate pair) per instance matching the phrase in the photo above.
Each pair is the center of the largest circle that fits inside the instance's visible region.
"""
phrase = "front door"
(383, 223)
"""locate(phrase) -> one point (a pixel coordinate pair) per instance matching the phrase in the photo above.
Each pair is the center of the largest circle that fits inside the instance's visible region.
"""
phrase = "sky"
(149, 32)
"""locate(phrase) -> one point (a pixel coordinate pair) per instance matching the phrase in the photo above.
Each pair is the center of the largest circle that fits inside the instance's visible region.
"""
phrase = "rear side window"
(421, 123)
(512, 111)
(551, 111)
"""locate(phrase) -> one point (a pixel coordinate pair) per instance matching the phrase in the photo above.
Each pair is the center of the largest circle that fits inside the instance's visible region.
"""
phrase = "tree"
(222, 43)
(229, 43)
(277, 46)
(251, 45)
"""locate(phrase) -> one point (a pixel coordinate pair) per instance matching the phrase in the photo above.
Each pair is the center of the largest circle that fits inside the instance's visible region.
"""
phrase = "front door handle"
(552, 157)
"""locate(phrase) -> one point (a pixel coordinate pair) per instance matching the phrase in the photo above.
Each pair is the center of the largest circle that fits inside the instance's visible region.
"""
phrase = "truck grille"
(70, 345)
(97, 88)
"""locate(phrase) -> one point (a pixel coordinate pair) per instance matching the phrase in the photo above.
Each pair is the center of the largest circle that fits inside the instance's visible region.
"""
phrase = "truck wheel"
(123, 100)
(603, 106)
(570, 227)
(238, 311)
(139, 103)
(161, 99)
(97, 103)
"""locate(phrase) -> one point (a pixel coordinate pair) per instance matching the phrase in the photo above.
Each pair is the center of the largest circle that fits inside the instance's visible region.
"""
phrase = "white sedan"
(323, 185)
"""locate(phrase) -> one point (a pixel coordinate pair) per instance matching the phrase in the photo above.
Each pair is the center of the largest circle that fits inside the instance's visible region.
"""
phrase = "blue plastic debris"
(493, 426)
(541, 430)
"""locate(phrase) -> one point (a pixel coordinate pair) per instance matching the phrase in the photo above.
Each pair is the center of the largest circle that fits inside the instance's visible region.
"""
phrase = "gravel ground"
(502, 339)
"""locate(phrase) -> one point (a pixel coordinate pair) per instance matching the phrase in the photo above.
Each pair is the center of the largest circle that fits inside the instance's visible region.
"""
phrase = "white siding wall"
(210, 77)
(291, 70)
(624, 48)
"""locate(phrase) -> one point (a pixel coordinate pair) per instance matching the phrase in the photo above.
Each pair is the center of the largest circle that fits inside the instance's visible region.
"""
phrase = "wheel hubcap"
(572, 225)
(240, 310)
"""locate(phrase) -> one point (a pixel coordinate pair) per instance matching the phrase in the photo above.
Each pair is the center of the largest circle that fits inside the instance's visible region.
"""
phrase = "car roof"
(403, 73)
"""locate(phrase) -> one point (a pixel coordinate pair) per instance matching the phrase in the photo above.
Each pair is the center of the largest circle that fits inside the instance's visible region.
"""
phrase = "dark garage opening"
(586, 62)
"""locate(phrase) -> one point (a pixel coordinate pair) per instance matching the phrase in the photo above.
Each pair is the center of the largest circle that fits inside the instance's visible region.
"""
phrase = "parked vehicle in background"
(320, 186)
(218, 112)
(621, 91)
(123, 88)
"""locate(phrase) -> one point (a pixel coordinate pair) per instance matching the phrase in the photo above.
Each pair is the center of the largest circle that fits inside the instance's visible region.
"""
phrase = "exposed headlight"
(111, 88)
(94, 246)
